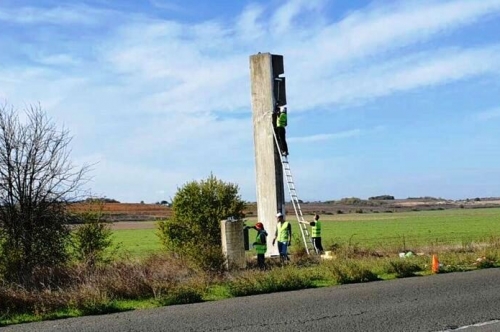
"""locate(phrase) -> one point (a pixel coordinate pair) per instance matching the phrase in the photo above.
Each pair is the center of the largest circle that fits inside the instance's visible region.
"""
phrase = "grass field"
(396, 231)
(136, 242)
(414, 229)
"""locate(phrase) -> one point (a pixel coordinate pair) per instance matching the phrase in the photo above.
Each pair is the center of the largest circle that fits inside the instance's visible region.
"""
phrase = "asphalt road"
(433, 303)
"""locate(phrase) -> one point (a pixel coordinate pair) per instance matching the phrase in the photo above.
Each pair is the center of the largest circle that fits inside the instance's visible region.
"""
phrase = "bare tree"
(37, 181)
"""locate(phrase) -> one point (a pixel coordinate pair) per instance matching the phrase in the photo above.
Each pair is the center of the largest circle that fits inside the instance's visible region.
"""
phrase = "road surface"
(470, 300)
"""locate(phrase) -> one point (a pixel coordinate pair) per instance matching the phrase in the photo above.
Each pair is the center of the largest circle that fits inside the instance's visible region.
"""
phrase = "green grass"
(137, 242)
(370, 230)
(112, 307)
(413, 228)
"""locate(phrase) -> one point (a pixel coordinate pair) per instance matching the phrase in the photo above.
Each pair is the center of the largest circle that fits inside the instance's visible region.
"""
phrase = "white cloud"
(59, 60)
(338, 63)
(407, 73)
(325, 137)
(488, 114)
(163, 99)
(283, 19)
(247, 24)
(64, 15)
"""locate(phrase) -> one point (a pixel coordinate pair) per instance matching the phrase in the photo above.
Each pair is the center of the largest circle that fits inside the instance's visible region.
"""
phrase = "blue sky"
(384, 97)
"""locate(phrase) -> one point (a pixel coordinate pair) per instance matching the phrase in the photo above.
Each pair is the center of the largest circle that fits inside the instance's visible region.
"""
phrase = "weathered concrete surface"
(269, 172)
(233, 245)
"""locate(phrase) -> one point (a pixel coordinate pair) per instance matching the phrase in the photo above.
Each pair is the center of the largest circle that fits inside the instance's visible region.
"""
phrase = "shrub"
(403, 268)
(193, 232)
(16, 300)
(351, 201)
(281, 279)
(183, 294)
(347, 272)
(485, 262)
(91, 239)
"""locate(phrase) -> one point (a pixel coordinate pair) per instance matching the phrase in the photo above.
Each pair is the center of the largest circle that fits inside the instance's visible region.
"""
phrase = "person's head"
(282, 109)
(316, 217)
(279, 216)
(259, 226)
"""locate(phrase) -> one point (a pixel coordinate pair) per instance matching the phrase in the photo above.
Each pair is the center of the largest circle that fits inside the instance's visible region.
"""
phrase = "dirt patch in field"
(133, 225)
(121, 212)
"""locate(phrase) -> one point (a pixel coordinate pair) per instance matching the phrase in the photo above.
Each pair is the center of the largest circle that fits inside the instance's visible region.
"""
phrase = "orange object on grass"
(435, 264)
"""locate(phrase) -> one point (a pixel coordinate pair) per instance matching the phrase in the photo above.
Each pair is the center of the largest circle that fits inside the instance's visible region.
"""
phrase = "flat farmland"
(391, 231)
(118, 212)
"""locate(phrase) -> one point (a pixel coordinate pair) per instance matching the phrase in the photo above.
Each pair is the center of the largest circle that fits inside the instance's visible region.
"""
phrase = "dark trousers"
(281, 134)
(317, 245)
(261, 261)
(283, 249)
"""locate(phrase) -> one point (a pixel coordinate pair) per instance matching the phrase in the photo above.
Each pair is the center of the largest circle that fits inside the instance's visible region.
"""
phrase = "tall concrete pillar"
(269, 171)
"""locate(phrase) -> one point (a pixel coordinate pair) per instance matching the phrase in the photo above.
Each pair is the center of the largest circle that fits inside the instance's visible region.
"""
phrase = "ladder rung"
(306, 236)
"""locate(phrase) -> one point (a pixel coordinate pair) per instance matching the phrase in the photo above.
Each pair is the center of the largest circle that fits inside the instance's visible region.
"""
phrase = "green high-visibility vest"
(283, 232)
(316, 229)
(281, 120)
(260, 247)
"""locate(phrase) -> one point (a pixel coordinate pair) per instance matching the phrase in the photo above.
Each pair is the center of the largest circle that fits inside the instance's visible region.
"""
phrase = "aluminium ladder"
(306, 236)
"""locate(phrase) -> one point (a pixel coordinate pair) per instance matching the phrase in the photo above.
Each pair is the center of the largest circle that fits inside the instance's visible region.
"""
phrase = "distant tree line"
(98, 200)
(426, 198)
(382, 197)
(360, 201)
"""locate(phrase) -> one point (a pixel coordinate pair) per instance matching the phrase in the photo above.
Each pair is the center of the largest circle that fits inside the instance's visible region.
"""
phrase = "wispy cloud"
(350, 58)
(59, 60)
(157, 92)
(167, 5)
(396, 75)
(326, 137)
(60, 15)
(285, 16)
(488, 114)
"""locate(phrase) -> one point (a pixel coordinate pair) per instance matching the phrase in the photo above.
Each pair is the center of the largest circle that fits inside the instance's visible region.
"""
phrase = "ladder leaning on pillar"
(306, 236)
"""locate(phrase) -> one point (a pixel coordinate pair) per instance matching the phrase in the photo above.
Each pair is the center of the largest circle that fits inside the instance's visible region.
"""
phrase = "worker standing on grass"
(260, 244)
(284, 236)
(315, 233)
(281, 123)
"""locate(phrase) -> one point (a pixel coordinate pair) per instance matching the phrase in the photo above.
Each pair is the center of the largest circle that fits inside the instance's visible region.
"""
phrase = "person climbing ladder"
(281, 123)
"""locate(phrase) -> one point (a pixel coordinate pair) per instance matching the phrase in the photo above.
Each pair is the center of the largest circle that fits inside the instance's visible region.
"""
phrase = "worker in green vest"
(315, 233)
(260, 244)
(281, 123)
(284, 236)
